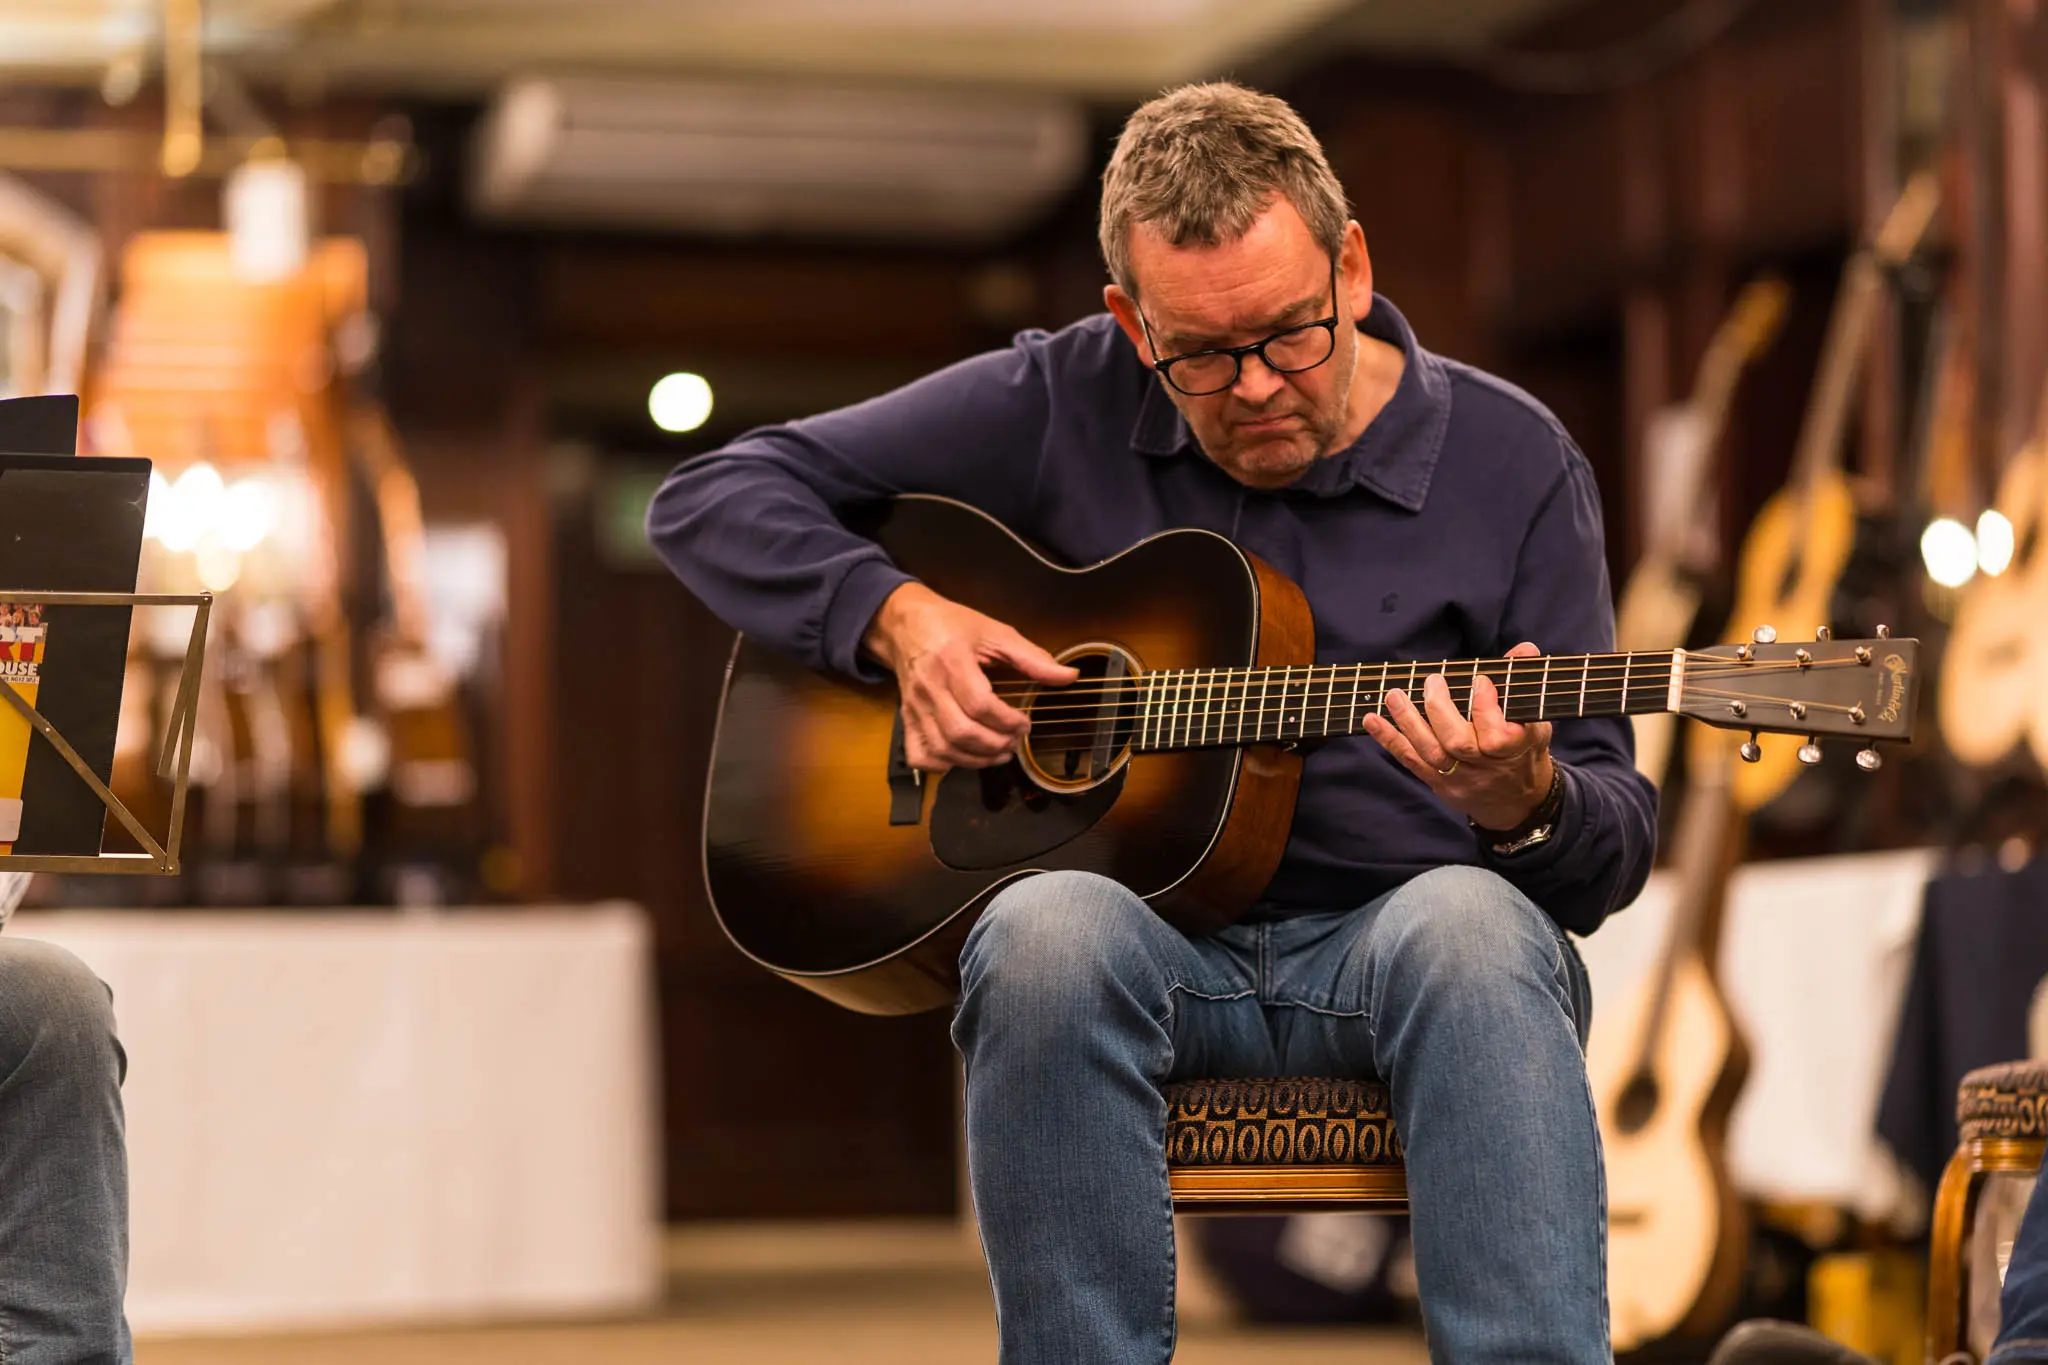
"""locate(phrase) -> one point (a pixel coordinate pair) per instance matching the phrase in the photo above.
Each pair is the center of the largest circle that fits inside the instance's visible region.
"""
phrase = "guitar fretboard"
(1202, 708)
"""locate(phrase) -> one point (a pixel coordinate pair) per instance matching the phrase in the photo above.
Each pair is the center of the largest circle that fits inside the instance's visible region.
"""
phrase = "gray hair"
(1202, 162)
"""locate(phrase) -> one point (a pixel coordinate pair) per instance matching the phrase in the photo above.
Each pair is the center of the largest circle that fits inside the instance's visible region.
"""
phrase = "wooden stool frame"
(1955, 1208)
(1288, 1189)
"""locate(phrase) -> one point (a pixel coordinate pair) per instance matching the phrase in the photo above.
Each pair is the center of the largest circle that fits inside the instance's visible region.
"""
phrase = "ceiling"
(1105, 48)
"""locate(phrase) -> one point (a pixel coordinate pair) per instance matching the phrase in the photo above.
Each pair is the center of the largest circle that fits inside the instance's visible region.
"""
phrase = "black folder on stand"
(69, 525)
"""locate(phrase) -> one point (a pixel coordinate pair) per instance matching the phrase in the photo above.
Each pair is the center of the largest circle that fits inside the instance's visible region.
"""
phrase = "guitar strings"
(1192, 725)
(1705, 665)
(1189, 715)
(1197, 686)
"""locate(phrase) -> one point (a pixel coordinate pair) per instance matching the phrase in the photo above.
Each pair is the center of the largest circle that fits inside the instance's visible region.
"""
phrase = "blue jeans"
(2023, 1302)
(63, 1163)
(1078, 1003)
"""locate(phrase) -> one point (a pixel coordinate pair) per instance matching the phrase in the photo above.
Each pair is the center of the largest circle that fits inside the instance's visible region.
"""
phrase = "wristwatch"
(1535, 830)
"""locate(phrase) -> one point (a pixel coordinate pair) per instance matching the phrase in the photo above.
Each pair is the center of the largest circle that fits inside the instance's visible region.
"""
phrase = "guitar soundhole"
(1637, 1105)
(1081, 733)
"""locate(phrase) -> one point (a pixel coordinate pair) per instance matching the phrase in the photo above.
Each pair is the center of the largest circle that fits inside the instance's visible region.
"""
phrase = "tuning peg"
(1823, 634)
(1809, 752)
(1764, 635)
(1884, 632)
(1870, 760)
(1751, 751)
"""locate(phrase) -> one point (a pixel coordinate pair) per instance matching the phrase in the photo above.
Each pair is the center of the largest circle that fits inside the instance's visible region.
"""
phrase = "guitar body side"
(809, 878)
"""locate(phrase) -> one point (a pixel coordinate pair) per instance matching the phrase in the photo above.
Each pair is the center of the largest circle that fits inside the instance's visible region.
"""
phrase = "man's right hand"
(952, 717)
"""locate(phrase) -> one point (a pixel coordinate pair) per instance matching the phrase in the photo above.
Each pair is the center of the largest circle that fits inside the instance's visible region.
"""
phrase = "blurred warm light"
(1950, 552)
(248, 513)
(192, 507)
(1994, 542)
(364, 754)
(680, 402)
(220, 568)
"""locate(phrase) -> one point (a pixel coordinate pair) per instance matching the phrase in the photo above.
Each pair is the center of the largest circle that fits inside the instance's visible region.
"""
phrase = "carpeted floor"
(780, 1296)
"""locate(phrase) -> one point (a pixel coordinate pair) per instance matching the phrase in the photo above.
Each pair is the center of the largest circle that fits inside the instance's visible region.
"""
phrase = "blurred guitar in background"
(1991, 693)
(1660, 607)
(1794, 555)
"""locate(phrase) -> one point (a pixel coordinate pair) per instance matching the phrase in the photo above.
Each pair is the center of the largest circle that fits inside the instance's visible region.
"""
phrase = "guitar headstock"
(1858, 689)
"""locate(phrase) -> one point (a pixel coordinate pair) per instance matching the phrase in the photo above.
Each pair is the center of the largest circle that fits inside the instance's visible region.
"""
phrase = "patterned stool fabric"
(1291, 1121)
(2005, 1101)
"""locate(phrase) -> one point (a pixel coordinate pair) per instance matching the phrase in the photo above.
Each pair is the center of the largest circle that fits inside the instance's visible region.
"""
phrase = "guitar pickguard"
(989, 818)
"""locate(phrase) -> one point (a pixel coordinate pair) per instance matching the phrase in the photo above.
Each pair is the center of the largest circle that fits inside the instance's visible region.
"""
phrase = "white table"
(357, 1116)
(1815, 953)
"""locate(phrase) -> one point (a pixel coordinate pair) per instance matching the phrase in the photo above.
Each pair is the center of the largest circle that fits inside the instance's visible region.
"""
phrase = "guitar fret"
(1543, 690)
(1585, 669)
(1626, 660)
(1145, 712)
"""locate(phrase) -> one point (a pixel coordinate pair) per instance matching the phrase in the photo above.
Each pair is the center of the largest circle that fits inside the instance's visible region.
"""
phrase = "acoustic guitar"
(1990, 692)
(1662, 601)
(1170, 765)
(1666, 1064)
(1798, 546)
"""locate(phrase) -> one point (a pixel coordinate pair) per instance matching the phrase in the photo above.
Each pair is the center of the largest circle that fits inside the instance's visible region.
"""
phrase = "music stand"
(156, 859)
(104, 500)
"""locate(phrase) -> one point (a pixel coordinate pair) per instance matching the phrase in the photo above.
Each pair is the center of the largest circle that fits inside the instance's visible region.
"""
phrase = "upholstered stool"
(2002, 1123)
(1288, 1145)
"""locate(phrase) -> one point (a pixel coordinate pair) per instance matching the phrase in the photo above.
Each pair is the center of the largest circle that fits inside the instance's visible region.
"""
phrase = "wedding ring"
(1446, 772)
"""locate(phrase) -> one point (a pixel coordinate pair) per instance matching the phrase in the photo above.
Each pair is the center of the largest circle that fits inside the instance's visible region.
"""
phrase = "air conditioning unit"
(732, 158)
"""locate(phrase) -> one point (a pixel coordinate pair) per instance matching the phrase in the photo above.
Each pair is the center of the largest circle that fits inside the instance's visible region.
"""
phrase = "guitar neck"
(1211, 707)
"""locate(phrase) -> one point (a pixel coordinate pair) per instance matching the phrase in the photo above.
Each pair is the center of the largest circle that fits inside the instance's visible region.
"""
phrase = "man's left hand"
(1485, 766)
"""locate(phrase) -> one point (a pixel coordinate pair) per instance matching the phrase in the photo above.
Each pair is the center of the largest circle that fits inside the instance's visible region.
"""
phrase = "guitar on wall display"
(1658, 608)
(1666, 1065)
(1798, 546)
(1169, 765)
(1991, 696)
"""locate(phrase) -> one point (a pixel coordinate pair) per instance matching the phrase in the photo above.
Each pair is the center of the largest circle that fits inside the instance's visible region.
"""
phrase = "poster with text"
(22, 638)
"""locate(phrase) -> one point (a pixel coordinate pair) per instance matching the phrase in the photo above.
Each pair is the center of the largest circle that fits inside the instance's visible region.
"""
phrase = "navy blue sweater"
(1462, 521)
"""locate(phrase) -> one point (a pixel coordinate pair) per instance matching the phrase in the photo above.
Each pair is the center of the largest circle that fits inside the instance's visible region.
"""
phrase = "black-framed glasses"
(1200, 373)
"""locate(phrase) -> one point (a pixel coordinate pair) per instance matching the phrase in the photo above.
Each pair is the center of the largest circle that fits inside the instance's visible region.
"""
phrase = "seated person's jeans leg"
(63, 1163)
(1078, 1003)
(1479, 1007)
(1075, 1001)
(2023, 1302)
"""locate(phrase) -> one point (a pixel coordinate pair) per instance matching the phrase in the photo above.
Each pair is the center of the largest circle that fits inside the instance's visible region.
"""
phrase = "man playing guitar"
(1247, 379)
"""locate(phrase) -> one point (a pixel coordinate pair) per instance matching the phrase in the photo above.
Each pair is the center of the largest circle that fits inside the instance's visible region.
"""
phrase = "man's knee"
(1055, 928)
(52, 1007)
(1467, 924)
